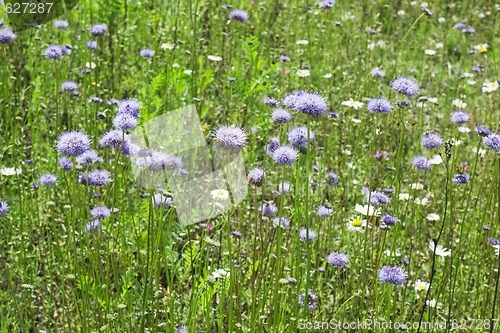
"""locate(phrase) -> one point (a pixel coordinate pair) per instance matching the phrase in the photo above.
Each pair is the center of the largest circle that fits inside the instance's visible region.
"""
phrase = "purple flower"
(281, 116)
(392, 274)
(284, 58)
(48, 179)
(273, 144)
(459, 117)
(333, 178)
(285, 155)
(129, 106)
(125, 122)
(112, 139)
(61, 24)
(65, 163)
(379, 105)
(476, 69)
(421, 162)
(297, 136)
(158, 161)
(91, 45)
(284, 187)
(89, 157)
(482, 130)
(98, 177)
(290, 99)
(324, 211)
(147, 53)
(69, 86)
(73, 143)
(230, 137)
(432, 140)
(94, 99)
(54, 52)
(376, 198)
(389, 219)
(6, 36)
(98, 29)
(4, 207)
(404, 85)
(307, 234)
(92, 226)
(376, 72)
(492, 241)
(461, 178)
(492, 141)
(238, 15)
(281, 222)
(269, 208)
(270, 101)
(161, 201)
(310, 103)
(100, 212)
(311, 300)
(255, 176)
(337, 259)
(326, 3)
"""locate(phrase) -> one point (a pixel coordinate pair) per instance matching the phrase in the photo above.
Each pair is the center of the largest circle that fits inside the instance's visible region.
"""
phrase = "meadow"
(370, 136)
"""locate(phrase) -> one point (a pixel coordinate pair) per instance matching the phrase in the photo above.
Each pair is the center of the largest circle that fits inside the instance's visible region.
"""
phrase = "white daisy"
(353, 104)
(10, 171)
(490, 86)
(214, 58)
(367, 210)
(421, 285)
(303, 72)
(220, 274)
(433, 217)
(459, 103)
(404, 196)
(220, 194)
(356, 224)
(440, 250)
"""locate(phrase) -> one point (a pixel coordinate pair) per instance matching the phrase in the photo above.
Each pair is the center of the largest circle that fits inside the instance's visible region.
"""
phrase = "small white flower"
(439, 45)
(436, 159)
(167, 46)
(455, 142)
(482, 47)
(390, 253)
(175, 65)
(353, 104)
(441, 20)
(433, 217)
(347, 152)
(471, 82)
(430, 52)
(433, 304)
(327, 75)
(433, 100)
(303, 72)
(401, 12)
(422, 202)
(214, 58)
(421, 285)
(464, 129)
(10, 171)
(356, 224)
(355, 120)
(481, 151)
(188, 72)
(467, 74)
(220, 194)
(459, 103)
(91, 65)
(440, 250)
(367, 210)
(404, 196)
(417, 186)
(302, 42)
(490, 86)
(220, 274)
(371, 46)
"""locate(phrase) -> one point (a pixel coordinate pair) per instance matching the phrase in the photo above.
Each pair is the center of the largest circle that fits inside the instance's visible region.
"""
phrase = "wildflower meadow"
(249, 166)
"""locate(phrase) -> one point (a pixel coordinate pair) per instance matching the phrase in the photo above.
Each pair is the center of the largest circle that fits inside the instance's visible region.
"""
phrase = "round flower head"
(492, 141)
(100, 212)
(147, 53)
(98, 177)
(125, 122)
(92, 226)
(230, 137)
(73, 143)
(157, 161)
(273, 144)
(376, 72)
(421, 162)
(6, 36)
(337, 259)
(112, 139)
(161, 201)
(307, 234)
(69, 86)
(130, 148)
(284, 187)
(377, 198)
(482, 130)
(284, 58)
(238, 15)
(311, 300)
(461, 178)
(285, 155)
(182, 329)
(389, 219)
(324, 211)
(333, 178)
(48, 179)
(269, 208)
(404, 85)
(290, 99)
(54, 52)
(379, 105)
(92, 45)
(392, 274)
(459, 117)
(98, 29)
(281, 116)
(326, 3)
(281, 222)
(129, 106)
(61, 24)
(298, 136)
(432, 140)
(89, 157)
(4, 207)
(255, 176)
(270, 101)
(310, 103)
(65, 163)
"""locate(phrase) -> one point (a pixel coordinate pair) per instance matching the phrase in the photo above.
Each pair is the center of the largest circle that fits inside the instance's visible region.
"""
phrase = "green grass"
(143, 272)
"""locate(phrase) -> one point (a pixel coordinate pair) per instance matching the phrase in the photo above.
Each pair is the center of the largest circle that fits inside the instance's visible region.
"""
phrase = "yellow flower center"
(421, 287)
(483, 50)
(205, 127)
(357, 223)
